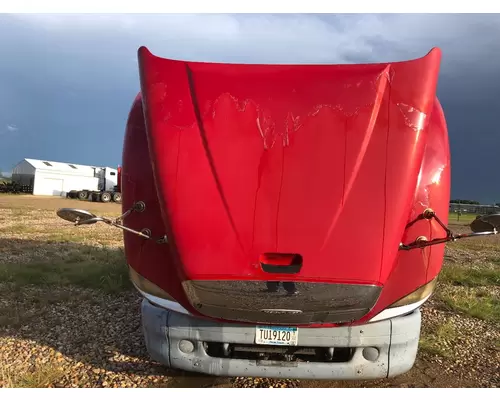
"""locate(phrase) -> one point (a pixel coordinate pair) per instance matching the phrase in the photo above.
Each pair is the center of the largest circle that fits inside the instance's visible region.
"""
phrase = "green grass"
(459, 275)
(39, 377)
(439, 341)
(111, 276)
(19, 229)
(60, 236)
(463, 218)
(471, 290)
(479, 304)
(475, 245)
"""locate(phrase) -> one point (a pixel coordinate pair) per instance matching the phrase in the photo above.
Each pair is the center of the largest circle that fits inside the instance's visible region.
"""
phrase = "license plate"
(276, 335)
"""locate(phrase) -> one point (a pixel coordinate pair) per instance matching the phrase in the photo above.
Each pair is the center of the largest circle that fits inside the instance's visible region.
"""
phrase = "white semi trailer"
(108, 187)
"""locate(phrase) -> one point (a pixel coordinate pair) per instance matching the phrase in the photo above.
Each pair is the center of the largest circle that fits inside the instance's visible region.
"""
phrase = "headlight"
(147, 286)
(421, 293)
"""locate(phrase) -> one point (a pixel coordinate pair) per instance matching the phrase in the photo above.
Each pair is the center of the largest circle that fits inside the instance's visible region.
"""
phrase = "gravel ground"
(95, 338)
(468, 349)
(55, 334)
(72, 337)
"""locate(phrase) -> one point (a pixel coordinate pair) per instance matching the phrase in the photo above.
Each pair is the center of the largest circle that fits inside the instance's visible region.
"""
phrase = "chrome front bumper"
(395, 341)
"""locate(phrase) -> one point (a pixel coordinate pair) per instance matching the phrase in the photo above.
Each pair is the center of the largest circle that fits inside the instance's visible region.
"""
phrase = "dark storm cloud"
(67, 82)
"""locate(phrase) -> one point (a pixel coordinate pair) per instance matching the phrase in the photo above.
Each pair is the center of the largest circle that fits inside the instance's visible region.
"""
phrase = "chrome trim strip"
(396, 311)
(163, 303)
(280, 311)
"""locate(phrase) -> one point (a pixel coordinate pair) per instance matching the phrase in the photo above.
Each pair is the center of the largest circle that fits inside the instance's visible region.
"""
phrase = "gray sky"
(67, 82)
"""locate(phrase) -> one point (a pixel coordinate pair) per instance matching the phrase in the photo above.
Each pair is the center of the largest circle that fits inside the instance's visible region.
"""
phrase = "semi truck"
(108, 187)
(285, 221)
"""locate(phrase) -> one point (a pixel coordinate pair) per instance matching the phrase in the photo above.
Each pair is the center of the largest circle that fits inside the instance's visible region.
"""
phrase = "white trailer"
(108, 187)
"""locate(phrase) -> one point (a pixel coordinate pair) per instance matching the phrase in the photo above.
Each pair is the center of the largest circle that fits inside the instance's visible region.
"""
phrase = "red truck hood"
(318, 161)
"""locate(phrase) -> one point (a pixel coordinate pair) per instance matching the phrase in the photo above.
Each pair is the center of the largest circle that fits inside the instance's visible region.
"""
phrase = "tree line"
(464, 201)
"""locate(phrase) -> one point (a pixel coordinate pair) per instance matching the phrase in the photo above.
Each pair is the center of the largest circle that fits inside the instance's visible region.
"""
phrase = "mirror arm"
(122, 217)
(117, 225)
(449, 233)
(87, 221)
(118, 222)
(83, 217)
(139, 206)
(422, 241)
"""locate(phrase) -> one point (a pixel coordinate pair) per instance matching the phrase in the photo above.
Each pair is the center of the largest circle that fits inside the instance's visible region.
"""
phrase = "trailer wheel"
(83, 195)
(117, 197)
(105, 197)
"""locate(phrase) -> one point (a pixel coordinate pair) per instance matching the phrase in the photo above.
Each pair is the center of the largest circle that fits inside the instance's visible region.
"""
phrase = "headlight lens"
(148, 286)
(421, 293)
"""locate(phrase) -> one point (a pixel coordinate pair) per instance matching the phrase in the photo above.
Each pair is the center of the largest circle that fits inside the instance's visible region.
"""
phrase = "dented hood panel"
(316, 160)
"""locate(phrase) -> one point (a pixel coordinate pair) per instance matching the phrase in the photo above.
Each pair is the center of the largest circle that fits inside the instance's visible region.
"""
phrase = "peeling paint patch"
(388, 73)
(261, 133)
(414, 118)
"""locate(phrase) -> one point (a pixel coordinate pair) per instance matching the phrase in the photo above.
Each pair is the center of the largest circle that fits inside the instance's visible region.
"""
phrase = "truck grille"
(278, 353)
(252, 301)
